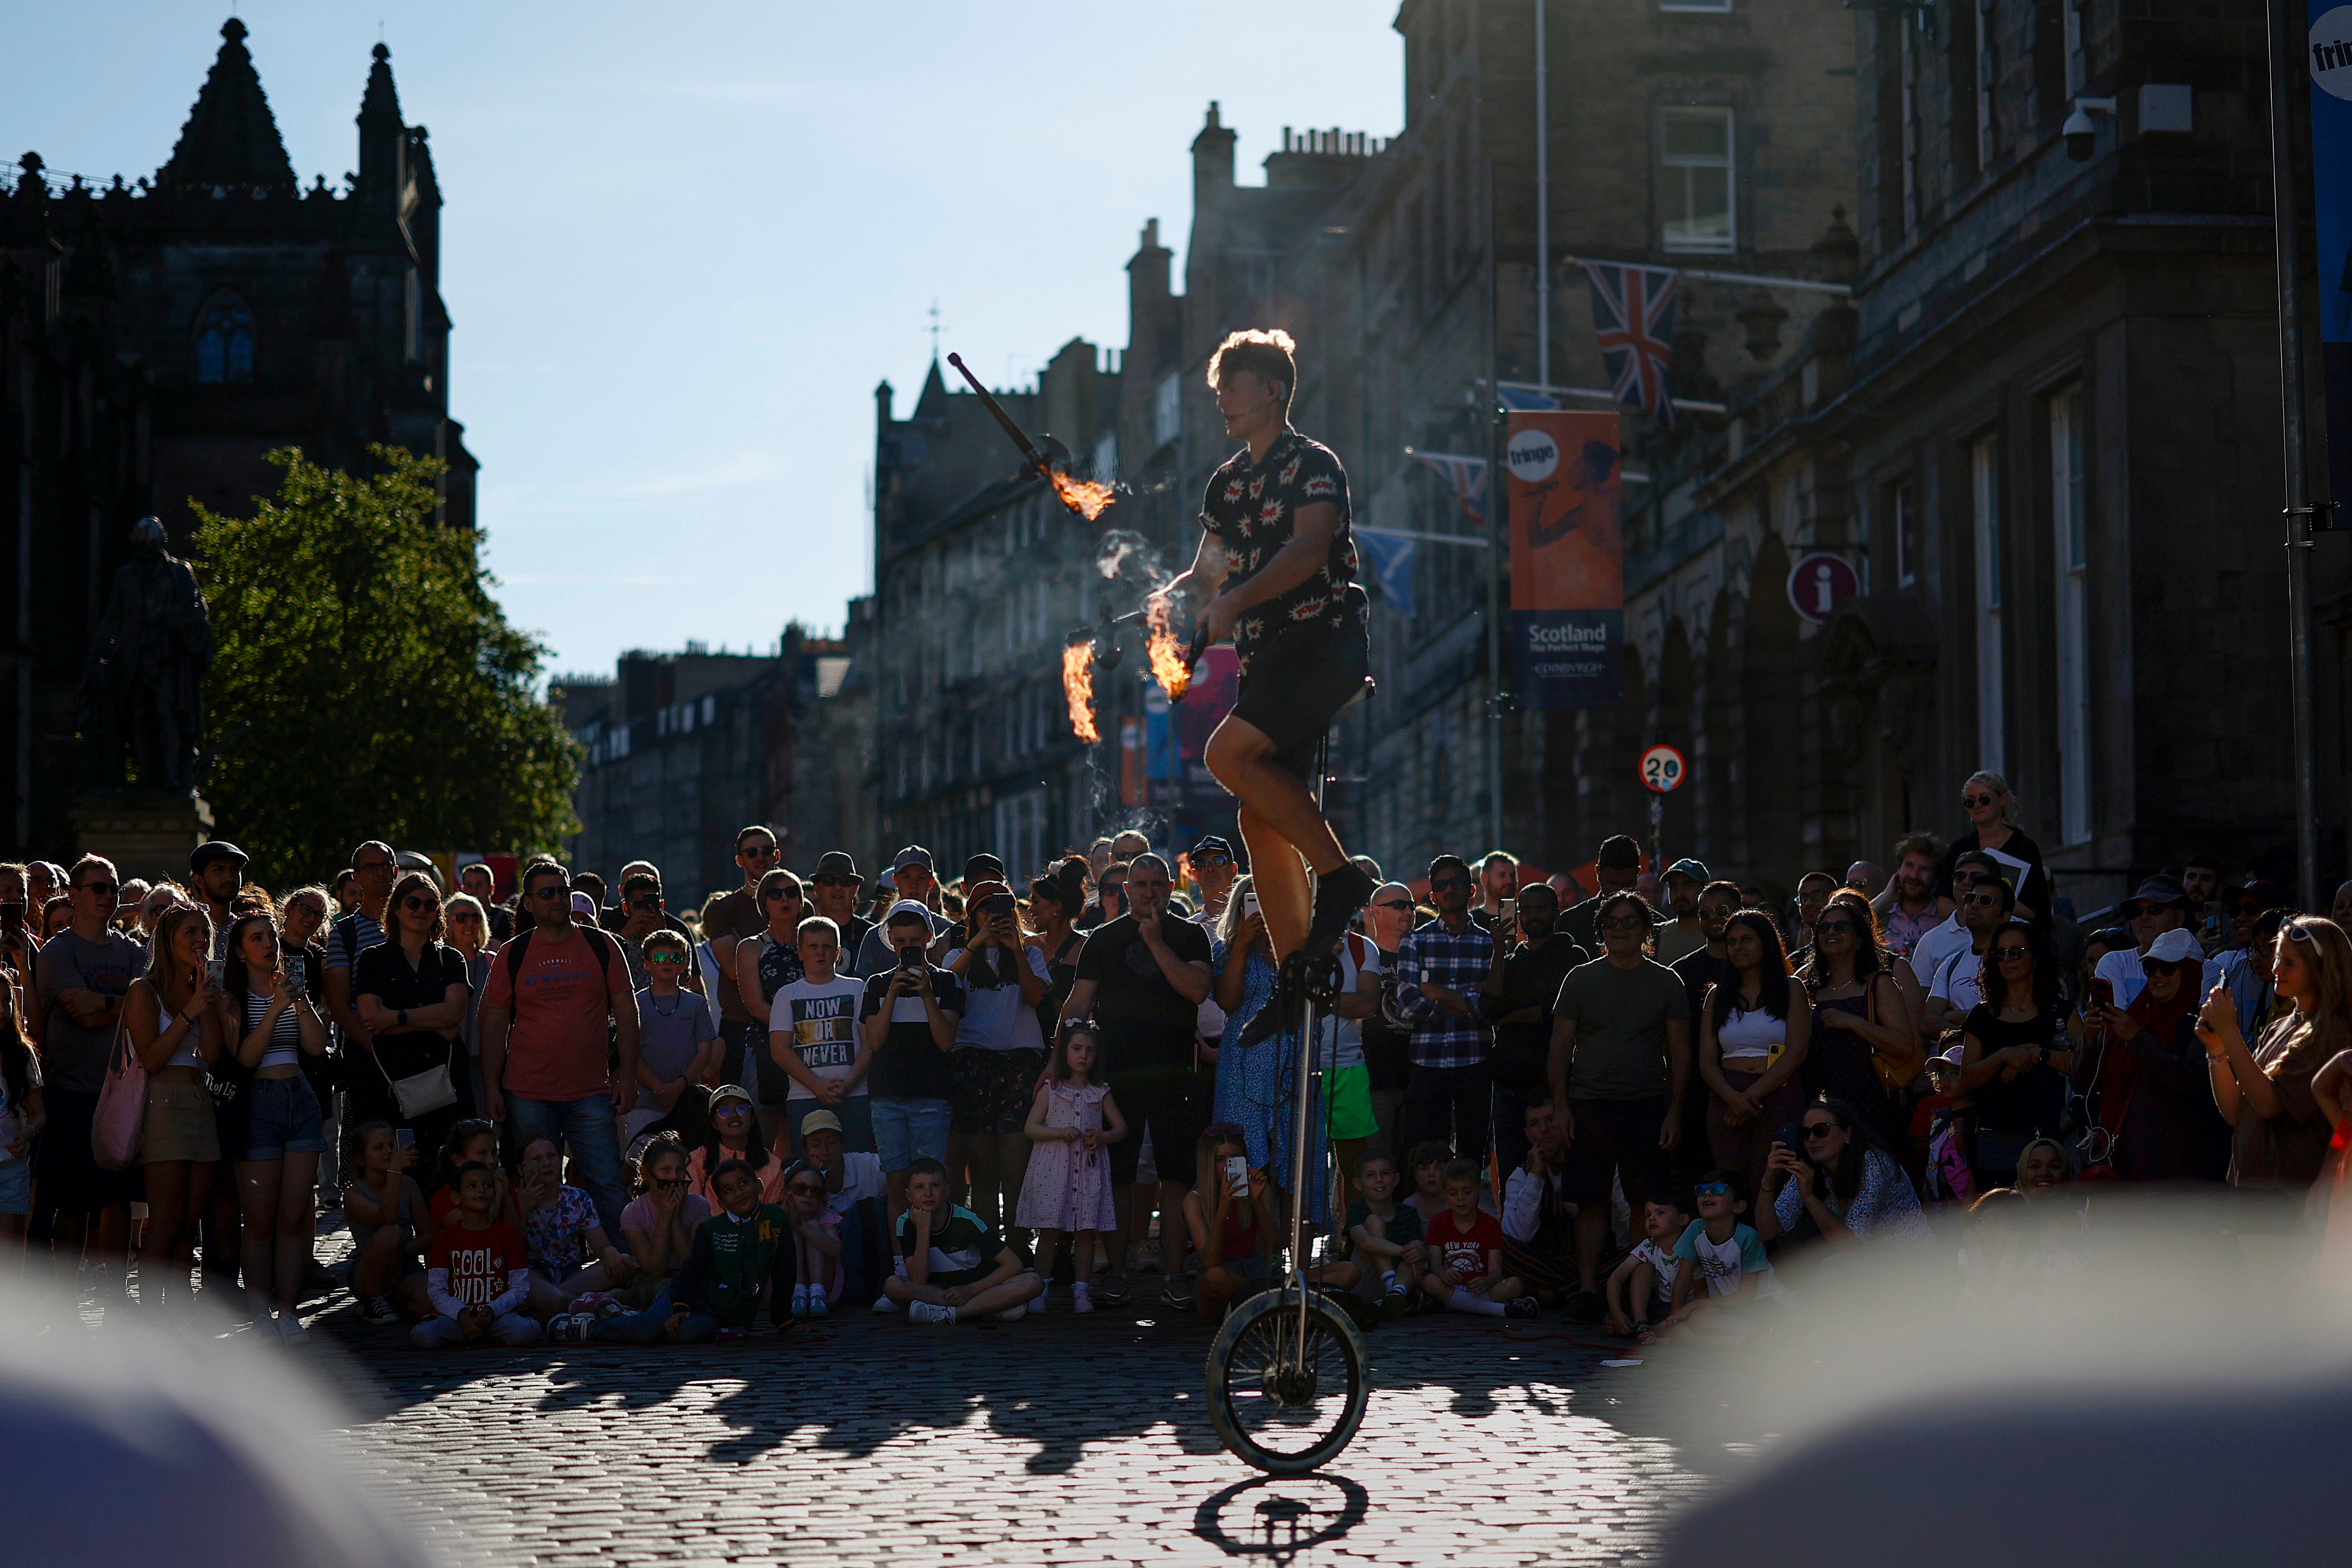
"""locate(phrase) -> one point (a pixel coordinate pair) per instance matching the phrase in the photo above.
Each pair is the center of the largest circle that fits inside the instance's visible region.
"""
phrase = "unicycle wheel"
(1281, 1407)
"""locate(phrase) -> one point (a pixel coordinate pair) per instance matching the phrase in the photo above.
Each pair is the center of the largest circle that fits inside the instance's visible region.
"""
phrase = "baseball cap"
(2262, 894)
(836, 862)
(204, 855)
(2174, 946)
(982, 869)
(819, 1121)
(730, 1091)
(1954, 1057)
(1694, 869)
(912, 855)
(1211, 844)
(2162, 891)
(582, 904)
(907, 907)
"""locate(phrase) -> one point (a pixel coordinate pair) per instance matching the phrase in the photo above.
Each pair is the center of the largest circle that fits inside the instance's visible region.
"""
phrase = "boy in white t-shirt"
(813, 1035)
(1641, 1289)
(1725, 1255)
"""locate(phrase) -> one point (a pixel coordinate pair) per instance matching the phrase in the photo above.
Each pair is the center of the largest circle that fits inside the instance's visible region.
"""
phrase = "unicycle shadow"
(1278, 1517)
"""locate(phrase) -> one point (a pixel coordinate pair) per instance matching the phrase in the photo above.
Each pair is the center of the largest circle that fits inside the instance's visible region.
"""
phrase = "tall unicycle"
(1287, 1384)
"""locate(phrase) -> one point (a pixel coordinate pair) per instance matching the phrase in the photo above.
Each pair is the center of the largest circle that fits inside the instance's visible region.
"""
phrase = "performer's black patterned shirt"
(1254, 509)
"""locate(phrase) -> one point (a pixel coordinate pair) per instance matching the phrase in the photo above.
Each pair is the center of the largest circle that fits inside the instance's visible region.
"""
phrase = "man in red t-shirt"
(551, 1068)
(1465, 1254)
(477, 1274)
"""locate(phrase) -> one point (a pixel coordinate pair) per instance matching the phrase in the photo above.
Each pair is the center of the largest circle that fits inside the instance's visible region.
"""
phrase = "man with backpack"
(559, 1031)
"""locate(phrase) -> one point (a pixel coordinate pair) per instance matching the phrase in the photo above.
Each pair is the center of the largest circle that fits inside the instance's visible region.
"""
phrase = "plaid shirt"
(1437, 956)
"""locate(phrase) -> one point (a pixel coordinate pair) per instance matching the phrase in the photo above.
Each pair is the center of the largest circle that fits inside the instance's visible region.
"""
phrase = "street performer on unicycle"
(1276, 571)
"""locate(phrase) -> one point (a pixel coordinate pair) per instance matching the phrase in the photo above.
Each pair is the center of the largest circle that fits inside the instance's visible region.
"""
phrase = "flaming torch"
(1078, 687)
(1081, 496)
(1169, 665)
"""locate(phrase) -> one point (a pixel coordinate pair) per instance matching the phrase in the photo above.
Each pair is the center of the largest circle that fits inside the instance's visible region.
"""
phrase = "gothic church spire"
(230, 138)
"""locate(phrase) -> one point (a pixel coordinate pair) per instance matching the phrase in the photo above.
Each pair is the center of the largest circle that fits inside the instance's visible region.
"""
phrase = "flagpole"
(1497, 507)
(1543, 205)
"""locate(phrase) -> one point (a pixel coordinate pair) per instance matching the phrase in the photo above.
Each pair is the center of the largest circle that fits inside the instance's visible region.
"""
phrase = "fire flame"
(1084, 497)
(1078, 689)
(1168, 666)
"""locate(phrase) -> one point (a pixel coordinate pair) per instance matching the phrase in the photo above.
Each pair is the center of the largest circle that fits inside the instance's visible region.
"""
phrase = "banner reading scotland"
(1567, 562)
(2331, 180)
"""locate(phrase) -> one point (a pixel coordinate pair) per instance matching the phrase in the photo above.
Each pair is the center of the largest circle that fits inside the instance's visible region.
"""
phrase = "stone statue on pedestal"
(143, 684)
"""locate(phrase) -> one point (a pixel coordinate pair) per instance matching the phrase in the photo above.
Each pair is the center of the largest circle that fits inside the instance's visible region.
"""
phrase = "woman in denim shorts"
(276, 1040)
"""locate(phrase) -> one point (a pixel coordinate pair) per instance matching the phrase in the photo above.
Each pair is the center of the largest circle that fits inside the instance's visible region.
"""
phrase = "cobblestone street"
(867, 1440)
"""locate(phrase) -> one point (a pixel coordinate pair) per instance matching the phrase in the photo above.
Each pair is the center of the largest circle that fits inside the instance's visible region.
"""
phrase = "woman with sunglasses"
(273, 1128)
(1992, 829)
(734, 1134)
(1055, 900)
(1754, 1029)
(1860, 1044)
(764, 965)
(1843, 1187)
(2278, 1136)
(411, 994)
(2017, 1046)
(1000, 1052)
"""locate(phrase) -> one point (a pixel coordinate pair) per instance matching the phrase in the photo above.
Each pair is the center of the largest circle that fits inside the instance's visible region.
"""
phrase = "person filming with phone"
(908, 1020)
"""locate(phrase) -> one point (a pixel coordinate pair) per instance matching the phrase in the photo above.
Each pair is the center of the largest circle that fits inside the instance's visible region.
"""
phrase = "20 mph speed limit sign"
(1663, 769)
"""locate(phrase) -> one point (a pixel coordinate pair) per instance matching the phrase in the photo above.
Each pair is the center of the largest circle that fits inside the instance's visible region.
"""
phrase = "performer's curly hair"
(1266, 355)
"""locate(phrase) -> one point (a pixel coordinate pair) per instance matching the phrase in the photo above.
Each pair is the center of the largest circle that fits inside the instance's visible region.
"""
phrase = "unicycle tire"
(1284, 1423)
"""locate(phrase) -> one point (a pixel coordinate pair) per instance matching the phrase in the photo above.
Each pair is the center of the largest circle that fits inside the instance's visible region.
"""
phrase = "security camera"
(2082, 134)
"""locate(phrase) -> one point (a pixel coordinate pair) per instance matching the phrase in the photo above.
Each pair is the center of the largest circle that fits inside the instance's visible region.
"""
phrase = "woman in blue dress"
(1257, 1085)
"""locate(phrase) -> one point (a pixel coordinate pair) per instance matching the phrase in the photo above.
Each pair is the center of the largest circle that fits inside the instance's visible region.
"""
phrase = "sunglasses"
(1394, 904)
(1977, 800)
(1449, 881)
(553, 890)
(834, 879)
(670, 960)
(103, 890)
(757, 852)
(783, 895)
(1818, 1130)
(2155, 966)
(1623, 922)
(1211, 862)
(731, 1108)
(1712, 1190)
(1982, 900)
(1826, 928)
(414, 902)
(2296, 932)
(2010, 954)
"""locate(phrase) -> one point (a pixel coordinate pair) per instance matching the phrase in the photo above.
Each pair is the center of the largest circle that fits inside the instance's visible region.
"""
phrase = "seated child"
(1464, 1248)
(1382, 1237)
(816, 1240)
(1426, 1163)
(1220, 1212)
(385, 1210)
(740, 1259)
(948, 1254)
(1641, 1289)
(1727, 1256)
(561, 1225)
(477, 1274)
(659, 1224)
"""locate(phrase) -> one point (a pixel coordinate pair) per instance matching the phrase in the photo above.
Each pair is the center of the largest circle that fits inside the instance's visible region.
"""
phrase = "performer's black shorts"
(1297, 683)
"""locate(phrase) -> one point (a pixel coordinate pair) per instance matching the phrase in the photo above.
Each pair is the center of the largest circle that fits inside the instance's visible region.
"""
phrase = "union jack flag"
(1468, 477)
(1634, 322)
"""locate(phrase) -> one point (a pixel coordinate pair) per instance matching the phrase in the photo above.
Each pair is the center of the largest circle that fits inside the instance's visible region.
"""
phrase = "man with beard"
(1909, 909)
(1532, 956)
(1683, 935)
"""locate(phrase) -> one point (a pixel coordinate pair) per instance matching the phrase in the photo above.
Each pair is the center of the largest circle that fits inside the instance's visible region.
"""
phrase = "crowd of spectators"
(1024, 1090)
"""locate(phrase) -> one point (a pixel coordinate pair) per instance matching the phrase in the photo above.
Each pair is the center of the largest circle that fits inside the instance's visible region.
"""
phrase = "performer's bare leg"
(1280, 823)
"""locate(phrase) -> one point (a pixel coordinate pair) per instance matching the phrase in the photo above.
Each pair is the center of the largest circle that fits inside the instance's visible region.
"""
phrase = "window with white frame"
(1984, 507)
(2068, 532)
(1696, 179)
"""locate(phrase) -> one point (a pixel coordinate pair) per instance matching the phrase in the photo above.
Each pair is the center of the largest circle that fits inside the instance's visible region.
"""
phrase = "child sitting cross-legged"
(1383, 1241)
(1463, 1269)
(385, 1210)
(1641, 1289)
(816, 1241)
(1220, 1212)
(948, 1255)
(1723, 1255)
(741, 1257)
(477, 1274)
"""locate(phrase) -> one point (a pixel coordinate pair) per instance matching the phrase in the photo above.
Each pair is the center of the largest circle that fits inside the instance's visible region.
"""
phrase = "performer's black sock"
(1337, 897)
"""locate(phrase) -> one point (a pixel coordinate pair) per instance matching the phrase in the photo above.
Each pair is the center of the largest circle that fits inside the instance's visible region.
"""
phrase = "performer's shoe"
(1281, 1012)
(1337, 897)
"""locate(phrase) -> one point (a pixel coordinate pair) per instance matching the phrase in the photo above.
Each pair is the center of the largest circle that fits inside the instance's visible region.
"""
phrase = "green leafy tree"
(365, 684)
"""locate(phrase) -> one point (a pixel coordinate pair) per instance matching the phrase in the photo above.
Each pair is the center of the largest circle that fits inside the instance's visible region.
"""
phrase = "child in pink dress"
(1072, 1121)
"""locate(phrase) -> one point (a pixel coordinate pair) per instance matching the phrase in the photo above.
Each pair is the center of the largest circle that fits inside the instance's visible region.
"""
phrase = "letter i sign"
(1663, 769)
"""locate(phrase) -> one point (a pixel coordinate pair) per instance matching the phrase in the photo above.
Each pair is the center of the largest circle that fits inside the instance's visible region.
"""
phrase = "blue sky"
(681, 244)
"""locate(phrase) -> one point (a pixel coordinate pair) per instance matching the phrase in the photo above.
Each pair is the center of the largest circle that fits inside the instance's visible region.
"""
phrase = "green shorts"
(1348, 1092)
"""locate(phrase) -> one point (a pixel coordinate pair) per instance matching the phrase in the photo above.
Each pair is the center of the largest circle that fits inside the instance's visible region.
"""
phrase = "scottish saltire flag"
(1468, 477)
(1634, 322)
(1392, 557)
(1513, 395)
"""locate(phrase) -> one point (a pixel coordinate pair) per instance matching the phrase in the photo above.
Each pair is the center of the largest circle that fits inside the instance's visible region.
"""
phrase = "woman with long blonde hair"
(172, 1015)
(2279, 1137)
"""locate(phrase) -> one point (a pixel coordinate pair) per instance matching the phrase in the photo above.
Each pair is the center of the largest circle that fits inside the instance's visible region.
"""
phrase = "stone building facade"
(157, 337)
(685, 749)
(2045, 432)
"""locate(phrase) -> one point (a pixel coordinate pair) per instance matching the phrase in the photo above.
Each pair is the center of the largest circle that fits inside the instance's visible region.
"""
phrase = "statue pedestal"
(146, 835)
